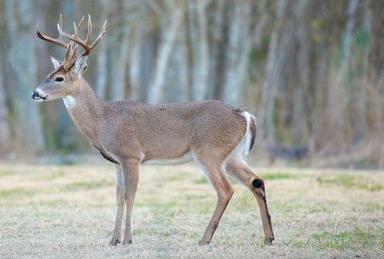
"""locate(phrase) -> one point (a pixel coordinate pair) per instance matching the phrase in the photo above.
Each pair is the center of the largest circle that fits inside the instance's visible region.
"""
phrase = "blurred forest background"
(311, 70)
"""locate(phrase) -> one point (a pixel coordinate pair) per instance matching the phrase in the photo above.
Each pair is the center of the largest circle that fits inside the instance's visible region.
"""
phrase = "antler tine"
(102, 31)
(75, 38)
(76, 28)
(45, 37)
(61, 26)
(84, 43)
(89, 31)
(80, 22)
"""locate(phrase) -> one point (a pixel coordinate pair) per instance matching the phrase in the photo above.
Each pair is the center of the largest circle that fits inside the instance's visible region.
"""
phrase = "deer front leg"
(120, 206)
(131, 179)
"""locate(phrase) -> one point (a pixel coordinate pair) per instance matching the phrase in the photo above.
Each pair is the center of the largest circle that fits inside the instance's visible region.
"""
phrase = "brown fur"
(129, 133)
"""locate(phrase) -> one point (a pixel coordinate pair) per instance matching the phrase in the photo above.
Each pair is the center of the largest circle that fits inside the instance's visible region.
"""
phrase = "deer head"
(65, 77)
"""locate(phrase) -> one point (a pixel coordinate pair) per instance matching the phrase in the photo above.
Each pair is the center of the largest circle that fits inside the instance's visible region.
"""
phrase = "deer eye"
(59, 79)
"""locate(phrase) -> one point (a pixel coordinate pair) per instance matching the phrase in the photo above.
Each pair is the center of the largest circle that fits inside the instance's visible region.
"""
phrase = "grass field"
(68, 211)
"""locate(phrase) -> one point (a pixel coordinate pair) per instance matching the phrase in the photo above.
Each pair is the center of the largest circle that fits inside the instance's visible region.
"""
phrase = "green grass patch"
(181, 176)
(69, 211)
(356, 238)
(373, 206)
(280, 176)
(5, 173)
(351, 181)
(84, 186)
(200, 180)
(269, 176)
(295, 207)
(16, 193)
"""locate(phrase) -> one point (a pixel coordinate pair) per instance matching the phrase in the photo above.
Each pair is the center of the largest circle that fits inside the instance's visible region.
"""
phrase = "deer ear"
(55, 62)
(81, 64)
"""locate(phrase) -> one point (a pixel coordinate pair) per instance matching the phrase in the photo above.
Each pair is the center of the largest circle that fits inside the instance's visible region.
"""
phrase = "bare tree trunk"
(357, 99)
(119, 62)
(134, 70)
(222, 21)
(177, 74)
(169, 36)
(119, 68)
(189, 46)
(102, 74)
(237, 53)
(269, 89)
(305, 52)
(5, 136)
(102, 57)
(362, 85)
(251, 94)
(198, 40)
(348, 34)
(135, 60)
(376, 60)
(21, 57)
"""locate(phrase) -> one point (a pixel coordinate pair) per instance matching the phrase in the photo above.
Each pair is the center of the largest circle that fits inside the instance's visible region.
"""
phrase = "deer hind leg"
(243, 173)
(214, 171)
(120, 206)
(131, 179)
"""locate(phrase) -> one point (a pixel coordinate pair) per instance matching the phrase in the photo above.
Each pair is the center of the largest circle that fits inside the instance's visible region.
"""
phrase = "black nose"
(35, 95)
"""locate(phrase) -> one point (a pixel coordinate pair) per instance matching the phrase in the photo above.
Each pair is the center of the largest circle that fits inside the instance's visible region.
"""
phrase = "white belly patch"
(174, 161)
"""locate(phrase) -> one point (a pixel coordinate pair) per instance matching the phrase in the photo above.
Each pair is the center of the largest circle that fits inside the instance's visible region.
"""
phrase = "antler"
(83, 42)
(59, 41)
(75, 40)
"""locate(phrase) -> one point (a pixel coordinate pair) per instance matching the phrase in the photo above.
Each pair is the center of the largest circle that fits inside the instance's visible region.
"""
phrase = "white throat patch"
(69, 102)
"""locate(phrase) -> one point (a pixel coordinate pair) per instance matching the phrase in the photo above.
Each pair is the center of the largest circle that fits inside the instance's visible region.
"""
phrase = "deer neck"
(86, 109)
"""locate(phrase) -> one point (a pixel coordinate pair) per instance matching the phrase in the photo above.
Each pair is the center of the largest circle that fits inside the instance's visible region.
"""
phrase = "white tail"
(246, 144)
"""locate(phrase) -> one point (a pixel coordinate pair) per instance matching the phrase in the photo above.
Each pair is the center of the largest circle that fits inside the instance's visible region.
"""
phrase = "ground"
(68, 211)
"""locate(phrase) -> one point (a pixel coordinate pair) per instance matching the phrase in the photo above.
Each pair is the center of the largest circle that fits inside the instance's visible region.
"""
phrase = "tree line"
(311, 70)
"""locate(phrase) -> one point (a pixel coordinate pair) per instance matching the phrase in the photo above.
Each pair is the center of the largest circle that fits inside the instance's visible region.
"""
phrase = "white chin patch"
(69, 102)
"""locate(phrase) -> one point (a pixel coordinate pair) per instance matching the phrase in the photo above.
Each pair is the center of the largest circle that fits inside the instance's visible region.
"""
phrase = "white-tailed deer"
(129, 133)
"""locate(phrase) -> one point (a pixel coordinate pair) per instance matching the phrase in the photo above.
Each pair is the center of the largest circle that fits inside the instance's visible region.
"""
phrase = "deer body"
(129, 133)
(140, 130)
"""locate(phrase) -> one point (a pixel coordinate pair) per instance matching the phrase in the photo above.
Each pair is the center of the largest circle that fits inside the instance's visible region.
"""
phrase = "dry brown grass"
(57, 211)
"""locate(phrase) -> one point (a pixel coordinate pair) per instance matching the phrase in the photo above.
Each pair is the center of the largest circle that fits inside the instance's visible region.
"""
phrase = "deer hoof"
(114, 242)
(127, 242)
(203, 243)
(268, 240)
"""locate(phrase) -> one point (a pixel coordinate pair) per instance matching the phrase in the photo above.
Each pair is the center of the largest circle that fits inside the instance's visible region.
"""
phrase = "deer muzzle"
(38, 96)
